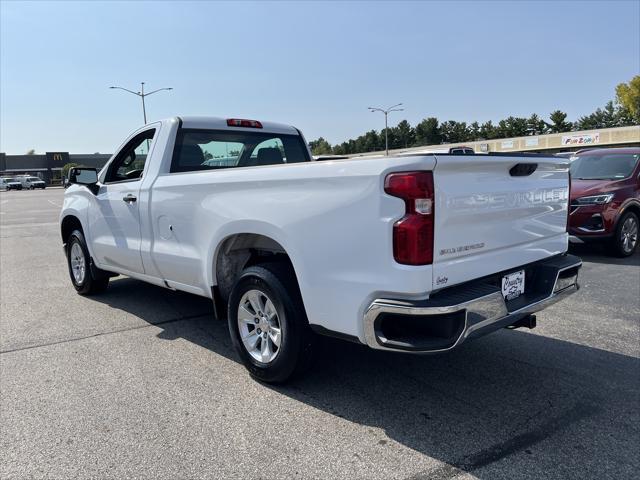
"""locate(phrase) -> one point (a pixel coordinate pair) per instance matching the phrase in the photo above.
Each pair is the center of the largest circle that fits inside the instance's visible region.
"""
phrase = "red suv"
(605, 198)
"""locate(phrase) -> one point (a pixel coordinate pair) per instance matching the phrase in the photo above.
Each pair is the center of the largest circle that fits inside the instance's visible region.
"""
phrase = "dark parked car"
(605, 198)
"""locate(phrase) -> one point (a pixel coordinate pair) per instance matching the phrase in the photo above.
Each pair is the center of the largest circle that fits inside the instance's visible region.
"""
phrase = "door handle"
(129, 198)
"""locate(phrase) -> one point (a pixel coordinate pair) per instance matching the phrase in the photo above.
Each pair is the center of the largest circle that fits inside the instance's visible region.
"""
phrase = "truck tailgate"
(491, 217)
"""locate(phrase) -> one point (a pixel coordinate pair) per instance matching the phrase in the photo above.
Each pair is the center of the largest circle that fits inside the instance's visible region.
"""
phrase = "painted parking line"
(29, 225)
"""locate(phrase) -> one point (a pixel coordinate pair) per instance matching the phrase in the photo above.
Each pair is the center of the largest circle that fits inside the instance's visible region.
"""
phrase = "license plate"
(513, 285)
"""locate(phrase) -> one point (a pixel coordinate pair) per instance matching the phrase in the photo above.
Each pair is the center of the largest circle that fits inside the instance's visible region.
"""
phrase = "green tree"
(518, 126)
(338, 150)
(535, 125)
(406, 134)
(606, 117)
(488, 131)
(393, 138)
(427, 132)
(624, 117)
(512, 127)
(461, 131)
(372, 141)
(320, 147)
(628, 96)
(31, 151)
(474, 131)
(558, 122)
(454, 132)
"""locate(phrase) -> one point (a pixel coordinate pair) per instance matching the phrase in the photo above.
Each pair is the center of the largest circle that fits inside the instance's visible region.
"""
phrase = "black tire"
(620, 242)
(94, 280)
(278, 282)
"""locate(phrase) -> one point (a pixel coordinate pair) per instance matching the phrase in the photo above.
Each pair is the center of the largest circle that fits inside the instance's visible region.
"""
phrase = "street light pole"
(386, 112)
(141, 94)
(144, 110)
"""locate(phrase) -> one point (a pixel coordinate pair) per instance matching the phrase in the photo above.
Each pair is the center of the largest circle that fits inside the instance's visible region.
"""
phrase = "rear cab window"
(199, 149)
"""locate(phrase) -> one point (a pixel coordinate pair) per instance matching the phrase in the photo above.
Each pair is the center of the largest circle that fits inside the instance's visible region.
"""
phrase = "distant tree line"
(624, 111)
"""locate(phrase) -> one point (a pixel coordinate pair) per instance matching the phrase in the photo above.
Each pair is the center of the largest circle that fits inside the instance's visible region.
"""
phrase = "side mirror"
(84, 176)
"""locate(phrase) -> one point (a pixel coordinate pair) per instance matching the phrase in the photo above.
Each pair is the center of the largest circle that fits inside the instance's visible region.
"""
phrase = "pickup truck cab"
(414, 254)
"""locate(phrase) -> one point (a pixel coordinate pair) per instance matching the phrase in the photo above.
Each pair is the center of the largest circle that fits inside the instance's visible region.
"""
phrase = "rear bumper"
(456, 314)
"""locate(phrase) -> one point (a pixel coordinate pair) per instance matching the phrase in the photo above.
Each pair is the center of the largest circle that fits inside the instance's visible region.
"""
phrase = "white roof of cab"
(217, 123)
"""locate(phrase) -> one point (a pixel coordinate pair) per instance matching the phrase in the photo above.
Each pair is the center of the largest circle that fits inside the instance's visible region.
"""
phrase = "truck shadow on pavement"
(512, 405)
(598, 253)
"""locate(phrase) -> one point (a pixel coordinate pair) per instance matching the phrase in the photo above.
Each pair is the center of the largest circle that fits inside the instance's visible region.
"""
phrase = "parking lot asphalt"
(142, 382)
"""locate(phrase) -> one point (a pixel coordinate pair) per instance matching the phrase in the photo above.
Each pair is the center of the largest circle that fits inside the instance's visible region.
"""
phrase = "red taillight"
(239, 122)
(413, 233)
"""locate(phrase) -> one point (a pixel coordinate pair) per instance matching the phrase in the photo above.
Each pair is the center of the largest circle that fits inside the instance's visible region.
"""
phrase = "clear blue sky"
(314, 65)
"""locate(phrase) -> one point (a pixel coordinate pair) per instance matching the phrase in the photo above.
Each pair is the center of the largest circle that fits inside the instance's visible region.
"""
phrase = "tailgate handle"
(523, 169)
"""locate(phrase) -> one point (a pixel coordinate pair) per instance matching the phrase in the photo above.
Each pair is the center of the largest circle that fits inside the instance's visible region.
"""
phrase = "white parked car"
(31, 183)
(9, 183)
(415, 253)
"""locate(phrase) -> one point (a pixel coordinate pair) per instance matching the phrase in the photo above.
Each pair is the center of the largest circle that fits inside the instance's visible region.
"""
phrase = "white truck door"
(115, 224)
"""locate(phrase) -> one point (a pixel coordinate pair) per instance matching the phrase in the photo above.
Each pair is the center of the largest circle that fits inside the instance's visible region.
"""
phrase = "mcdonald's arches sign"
(57, 159)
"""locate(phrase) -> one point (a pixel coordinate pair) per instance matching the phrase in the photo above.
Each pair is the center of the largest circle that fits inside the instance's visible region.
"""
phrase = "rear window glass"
(604, 167)
(215, 149)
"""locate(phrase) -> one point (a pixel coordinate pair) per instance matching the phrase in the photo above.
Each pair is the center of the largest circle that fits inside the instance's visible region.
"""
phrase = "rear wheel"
(84, 280)
(268, 323)
(625, 239)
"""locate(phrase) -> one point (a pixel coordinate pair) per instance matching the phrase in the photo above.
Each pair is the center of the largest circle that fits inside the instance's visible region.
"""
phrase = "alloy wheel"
(259, 326)
(78, 265)
(629, 234)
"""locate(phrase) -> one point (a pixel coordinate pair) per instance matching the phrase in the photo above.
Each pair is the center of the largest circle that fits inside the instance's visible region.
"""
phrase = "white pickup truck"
(414, 253)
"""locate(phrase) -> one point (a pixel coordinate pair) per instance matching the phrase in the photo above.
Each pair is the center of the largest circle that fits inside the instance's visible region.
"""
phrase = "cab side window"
(129, 163)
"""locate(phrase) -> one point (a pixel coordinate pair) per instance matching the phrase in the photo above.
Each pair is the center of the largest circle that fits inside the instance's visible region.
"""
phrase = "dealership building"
(49, 166)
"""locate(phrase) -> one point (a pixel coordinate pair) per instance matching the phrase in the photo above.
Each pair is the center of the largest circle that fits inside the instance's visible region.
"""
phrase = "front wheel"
(625, 239)
(80, 271)
(268, 323)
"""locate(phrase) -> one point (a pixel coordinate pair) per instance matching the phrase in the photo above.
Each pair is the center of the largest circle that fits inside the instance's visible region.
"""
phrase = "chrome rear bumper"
(478, 315)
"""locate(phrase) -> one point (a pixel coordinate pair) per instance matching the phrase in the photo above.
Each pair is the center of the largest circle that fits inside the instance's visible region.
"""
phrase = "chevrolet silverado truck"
(414, 253)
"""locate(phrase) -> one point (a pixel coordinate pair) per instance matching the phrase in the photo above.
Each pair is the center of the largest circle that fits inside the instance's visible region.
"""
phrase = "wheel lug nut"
(255, 320)
(259, 331)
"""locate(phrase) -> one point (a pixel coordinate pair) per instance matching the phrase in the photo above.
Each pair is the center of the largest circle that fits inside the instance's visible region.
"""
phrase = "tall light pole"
(386, 112)
(141, 94)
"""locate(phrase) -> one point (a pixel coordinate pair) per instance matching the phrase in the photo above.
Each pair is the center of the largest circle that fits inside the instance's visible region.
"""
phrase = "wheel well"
(632, 208)
(69, 224)
(241, 251)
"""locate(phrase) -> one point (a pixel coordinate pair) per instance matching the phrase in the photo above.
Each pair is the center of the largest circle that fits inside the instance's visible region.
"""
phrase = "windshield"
(33, 179)
(603, 167)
